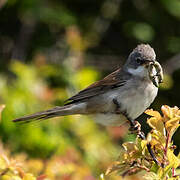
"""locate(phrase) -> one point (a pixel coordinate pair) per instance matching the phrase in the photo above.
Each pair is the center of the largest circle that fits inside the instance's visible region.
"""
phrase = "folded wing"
(111, 81)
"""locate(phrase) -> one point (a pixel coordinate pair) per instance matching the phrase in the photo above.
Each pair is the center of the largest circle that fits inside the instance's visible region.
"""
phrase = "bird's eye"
(138, 60)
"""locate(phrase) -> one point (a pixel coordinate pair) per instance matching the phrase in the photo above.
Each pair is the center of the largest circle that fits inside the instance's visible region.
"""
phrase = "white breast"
(138, 98)
(134, 99)
(109, 119)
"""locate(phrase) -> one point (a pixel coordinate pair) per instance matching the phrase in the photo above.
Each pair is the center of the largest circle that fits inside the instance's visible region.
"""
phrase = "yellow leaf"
(4, 162)
(162, 172)
(178, 155)
(171, 128)
(154, 142)
(156, 124)
(151, 176)
(173, 160)
(28, 176)
(9, 177)
(152, 113)
(169, 112)
(143, 144)
(35, 166)
(114, 167)
(172, 122)
(129, 146)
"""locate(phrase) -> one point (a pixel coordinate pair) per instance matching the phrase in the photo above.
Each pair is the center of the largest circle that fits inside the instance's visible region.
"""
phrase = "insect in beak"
(155, 73)
(146, 63)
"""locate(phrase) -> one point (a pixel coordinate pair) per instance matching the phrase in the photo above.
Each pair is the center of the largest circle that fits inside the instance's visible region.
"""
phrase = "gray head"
(142, 55)
(139, 60)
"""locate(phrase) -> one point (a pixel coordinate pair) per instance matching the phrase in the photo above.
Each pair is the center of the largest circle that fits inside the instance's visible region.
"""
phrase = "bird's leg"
(135, 127)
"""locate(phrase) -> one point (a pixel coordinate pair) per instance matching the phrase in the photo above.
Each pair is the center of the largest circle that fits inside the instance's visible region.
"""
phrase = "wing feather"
(111, 81)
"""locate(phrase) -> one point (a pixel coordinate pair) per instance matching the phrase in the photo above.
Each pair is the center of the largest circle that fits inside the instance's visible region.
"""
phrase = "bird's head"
(139, 60)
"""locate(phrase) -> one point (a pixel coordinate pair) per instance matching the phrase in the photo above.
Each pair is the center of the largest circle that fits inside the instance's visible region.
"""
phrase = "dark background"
(50, 49)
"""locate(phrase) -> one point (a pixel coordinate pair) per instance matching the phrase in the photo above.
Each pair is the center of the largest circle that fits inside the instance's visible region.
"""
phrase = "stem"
(166, 149)
(4, 172)
(173, 172)
(166, 146)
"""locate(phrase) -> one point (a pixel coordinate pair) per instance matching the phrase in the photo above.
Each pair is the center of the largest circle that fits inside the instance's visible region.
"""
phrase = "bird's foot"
(136, 129)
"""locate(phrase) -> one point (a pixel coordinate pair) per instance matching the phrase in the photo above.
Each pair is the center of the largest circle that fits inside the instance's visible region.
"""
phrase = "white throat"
(141, 71)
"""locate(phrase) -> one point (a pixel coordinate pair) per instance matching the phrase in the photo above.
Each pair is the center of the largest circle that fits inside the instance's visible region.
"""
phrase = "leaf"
(152, 113)
(10, 177)
(162, 172)
(155, 142)
(136, 156)
(172, 126)
(173, 160)
(156, 124)
(154, 168)
(169, 112)
(151, 176)
(116, 166)
(28, 176)
(129, 146)
(143, 144)
(132, 151)
(4, 163)
(172, 122)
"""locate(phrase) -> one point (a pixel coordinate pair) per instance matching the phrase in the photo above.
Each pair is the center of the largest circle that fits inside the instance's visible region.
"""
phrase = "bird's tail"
(54, 112)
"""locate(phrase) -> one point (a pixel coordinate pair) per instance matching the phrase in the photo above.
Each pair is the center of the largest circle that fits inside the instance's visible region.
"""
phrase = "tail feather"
(54, 112)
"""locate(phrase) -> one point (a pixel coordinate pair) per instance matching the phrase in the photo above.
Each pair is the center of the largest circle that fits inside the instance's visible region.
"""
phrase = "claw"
(136, 128)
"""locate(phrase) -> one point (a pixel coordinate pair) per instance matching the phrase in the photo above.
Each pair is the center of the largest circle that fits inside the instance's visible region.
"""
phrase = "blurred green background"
(50, 49)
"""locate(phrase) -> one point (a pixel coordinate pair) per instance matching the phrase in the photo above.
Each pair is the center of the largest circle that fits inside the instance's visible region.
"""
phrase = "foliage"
(136, 158)
(64, 167)
(72, 139)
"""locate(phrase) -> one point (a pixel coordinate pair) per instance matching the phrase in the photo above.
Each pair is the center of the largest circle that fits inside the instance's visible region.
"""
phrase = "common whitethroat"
(122, 95)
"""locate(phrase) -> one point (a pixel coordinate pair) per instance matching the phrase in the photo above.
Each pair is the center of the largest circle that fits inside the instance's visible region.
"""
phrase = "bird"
(121, 96)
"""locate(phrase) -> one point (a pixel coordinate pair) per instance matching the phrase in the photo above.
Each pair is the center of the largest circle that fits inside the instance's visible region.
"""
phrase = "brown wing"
(111, 81)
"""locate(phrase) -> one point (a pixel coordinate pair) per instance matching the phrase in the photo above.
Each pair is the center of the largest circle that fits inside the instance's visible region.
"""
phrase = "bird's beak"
(148, 62)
